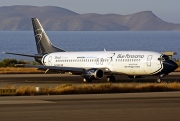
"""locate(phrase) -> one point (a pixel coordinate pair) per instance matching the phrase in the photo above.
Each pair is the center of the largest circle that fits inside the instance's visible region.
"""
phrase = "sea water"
(24, 42)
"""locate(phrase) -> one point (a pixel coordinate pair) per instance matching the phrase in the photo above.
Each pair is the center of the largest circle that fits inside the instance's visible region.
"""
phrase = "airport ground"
(155, 106)
(56, 79)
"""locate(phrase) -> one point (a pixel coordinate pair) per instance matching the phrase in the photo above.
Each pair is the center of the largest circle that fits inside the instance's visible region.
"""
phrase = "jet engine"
(93, 74)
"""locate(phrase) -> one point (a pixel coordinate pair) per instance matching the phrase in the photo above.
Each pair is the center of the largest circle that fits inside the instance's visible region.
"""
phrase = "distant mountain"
(60, 19)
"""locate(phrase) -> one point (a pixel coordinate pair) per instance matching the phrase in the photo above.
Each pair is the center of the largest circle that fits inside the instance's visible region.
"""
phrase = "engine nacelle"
(93, 74)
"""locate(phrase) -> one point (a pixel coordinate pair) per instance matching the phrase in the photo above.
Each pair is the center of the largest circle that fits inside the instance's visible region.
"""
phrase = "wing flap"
(71, 69)
(60, 68)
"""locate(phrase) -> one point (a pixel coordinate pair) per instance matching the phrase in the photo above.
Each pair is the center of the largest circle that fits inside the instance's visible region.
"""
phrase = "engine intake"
(93, 74)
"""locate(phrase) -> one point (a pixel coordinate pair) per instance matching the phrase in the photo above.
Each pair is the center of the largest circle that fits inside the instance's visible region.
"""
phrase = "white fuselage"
(119, 62)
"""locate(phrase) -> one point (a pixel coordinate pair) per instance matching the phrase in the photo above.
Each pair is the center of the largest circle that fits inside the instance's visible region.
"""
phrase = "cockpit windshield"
(164, 58)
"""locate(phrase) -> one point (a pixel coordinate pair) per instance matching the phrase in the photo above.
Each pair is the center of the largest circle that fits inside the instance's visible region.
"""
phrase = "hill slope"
(57, 18)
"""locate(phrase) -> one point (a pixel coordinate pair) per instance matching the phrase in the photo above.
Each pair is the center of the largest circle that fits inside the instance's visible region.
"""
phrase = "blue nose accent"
(168, 67)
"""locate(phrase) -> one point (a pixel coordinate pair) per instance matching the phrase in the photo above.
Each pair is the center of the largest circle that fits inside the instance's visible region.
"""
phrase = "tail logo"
(39, 33)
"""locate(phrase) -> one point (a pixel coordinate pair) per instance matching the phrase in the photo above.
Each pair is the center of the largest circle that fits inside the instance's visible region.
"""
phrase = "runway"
(100, 107)
(56, 79)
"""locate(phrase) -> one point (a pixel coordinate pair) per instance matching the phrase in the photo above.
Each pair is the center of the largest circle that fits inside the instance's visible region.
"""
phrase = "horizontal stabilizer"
(35, 56)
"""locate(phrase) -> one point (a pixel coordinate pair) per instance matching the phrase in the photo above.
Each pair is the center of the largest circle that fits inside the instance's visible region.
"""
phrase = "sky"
(167, 10)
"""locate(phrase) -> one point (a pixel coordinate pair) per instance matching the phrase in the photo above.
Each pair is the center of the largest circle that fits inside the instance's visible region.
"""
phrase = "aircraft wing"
(60, 68)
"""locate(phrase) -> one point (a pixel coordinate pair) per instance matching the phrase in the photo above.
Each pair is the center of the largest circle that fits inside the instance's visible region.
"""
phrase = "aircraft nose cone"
(169, 66)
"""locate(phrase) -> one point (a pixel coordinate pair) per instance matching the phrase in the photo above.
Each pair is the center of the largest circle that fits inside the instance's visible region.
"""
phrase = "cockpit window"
(164, 58)
(161, 59)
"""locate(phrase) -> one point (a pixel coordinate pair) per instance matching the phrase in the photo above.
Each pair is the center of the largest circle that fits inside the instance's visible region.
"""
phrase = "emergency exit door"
(149, 58)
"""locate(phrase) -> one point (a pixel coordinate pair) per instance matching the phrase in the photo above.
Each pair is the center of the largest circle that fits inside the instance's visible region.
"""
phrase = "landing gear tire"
(159, 80)
(87, 80)
(110, 78)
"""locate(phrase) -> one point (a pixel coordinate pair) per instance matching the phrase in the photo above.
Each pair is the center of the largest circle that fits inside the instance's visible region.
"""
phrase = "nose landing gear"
(159, 78)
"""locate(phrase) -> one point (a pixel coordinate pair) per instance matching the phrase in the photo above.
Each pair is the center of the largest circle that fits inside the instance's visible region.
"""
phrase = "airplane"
(95, 65)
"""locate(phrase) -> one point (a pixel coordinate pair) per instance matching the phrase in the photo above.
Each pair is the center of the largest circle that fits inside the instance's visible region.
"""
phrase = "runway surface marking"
(24, 102)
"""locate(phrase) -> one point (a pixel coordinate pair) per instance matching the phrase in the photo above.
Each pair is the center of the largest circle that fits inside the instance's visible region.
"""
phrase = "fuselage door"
(111, 59)
(149, 58)
(49, 61)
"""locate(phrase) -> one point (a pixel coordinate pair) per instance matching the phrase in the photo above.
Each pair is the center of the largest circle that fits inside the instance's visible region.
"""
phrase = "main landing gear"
(87, 80)
(111, 78)
(159, 80)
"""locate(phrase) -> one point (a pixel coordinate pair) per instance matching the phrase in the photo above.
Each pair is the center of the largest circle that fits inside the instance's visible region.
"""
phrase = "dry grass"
(97, 88)
(12, 70)
(178, 69)
(7, 87)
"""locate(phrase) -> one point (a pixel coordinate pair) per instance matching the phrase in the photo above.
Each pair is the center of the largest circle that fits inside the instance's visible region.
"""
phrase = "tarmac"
(56, 79)
(155, 106)
(159, 106)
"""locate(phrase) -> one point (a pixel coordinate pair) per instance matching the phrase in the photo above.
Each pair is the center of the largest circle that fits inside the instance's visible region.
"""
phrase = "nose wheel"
(159, 78)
